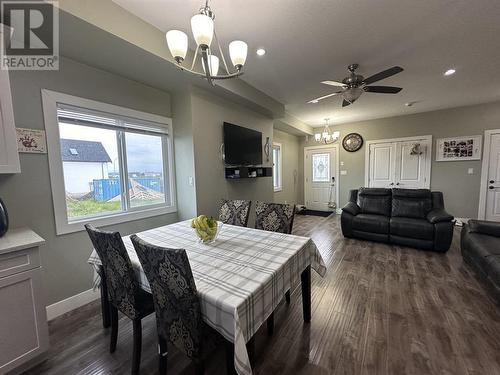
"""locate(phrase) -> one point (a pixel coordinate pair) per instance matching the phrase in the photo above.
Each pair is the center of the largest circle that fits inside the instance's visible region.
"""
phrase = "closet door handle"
(397, 184)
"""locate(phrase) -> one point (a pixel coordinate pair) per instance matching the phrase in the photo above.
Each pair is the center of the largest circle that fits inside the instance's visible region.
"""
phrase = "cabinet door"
(23, 323)
(382, 164)
(411, 167)
(9, 158)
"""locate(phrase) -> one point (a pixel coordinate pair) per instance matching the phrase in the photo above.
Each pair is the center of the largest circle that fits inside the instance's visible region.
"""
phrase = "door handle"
(492, 181)
(391, 184)
(491, 187)
(397, 184)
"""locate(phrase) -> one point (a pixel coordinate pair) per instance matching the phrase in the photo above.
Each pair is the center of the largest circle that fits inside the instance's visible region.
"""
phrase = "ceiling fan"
(354, 85)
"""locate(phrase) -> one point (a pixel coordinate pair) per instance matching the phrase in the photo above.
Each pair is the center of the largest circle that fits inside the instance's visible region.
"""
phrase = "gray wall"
(28, 195)
(209, 113)
(184, 154)
(461, 190)
(290, 149)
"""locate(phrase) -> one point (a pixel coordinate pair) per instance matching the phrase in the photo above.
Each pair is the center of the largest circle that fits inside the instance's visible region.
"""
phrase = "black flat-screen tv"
(242, 146)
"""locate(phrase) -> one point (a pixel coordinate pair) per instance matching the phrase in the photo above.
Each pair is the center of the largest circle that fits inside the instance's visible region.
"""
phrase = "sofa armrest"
(484, 227)
(438, 216)
(351, 208)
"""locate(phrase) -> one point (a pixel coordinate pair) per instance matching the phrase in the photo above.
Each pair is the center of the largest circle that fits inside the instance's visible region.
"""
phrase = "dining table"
(240, 278)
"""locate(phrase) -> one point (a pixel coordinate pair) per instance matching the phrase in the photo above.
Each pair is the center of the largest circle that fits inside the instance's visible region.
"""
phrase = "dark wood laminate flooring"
(380, 309)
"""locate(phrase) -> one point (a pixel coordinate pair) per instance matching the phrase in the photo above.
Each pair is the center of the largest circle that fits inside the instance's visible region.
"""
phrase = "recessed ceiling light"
(261, 52)
(449, 72)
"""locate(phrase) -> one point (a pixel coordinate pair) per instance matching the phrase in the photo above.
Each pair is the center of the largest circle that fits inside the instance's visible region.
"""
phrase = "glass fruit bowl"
(206, 229)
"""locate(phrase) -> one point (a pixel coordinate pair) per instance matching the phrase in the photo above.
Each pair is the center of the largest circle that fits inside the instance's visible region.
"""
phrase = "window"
(108, 164)
(277, 167)
(321, 167)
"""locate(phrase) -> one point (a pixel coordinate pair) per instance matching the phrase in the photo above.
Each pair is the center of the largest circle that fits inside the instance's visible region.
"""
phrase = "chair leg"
(287, 297)
(136, 356)
(270, 324)
(230, 370)
(162, 352)
(113, 313)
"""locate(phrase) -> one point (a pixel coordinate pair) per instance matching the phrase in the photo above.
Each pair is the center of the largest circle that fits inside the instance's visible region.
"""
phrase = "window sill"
(63, 227)
(278, 189)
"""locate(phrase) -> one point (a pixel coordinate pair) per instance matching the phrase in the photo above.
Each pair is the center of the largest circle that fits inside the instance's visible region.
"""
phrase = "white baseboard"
(71, 303)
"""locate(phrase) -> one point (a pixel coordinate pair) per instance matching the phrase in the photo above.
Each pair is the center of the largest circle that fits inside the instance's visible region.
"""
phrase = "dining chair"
(176, 302)
(124, 292)
(234, 212)
(275, 217)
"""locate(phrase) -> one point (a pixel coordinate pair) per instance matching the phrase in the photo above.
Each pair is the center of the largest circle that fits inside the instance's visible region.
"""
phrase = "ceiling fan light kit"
(203, 29)
(354, 85)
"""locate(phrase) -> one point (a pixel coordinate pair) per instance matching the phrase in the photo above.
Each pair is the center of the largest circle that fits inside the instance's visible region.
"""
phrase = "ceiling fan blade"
(333, 83)
(383, 89)
(345, 103)
(382, 75)
(324, 97)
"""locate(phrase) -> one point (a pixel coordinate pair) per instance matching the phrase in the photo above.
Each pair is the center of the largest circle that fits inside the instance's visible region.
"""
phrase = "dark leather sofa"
(480, 245)
(408, 217)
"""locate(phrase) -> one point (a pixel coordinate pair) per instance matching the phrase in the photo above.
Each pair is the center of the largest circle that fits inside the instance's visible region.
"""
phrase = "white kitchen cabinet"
(23, 325)
(9, 157)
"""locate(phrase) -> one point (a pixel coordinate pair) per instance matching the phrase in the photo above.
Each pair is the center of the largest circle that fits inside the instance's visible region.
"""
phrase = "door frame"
(485, 166)
(336, 152)
(427, 138)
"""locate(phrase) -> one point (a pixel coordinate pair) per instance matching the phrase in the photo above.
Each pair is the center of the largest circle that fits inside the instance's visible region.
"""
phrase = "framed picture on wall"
(459, 148)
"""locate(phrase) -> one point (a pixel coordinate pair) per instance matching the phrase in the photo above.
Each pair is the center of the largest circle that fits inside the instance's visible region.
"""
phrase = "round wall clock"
(352, 142)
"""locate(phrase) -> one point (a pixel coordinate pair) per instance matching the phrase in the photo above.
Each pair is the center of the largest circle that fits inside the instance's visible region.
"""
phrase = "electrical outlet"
(191, 181)
(470, 171)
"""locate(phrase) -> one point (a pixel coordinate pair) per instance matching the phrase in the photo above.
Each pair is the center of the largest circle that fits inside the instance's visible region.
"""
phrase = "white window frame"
(280, 166)
(50, 101)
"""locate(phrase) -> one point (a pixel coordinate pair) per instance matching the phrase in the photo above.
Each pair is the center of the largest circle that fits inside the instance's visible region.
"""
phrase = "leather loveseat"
(408, 217)
(480, 245)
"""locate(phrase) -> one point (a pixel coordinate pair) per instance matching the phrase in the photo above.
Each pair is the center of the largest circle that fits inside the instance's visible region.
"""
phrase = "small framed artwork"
(31, 140)
(459, 148)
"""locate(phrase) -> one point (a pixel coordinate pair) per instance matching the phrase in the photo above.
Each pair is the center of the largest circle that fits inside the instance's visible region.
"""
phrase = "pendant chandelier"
(203, 29)
(326, 136)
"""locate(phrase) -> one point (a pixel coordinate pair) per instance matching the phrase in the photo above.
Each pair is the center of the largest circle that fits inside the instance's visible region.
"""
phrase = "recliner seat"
(408, 217)
(480, 247)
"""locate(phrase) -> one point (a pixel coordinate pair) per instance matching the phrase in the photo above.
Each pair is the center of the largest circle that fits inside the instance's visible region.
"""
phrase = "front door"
(493, 186)
(320, 186)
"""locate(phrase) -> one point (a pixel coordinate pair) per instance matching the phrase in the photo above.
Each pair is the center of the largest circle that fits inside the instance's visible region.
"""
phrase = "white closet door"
(411, 169)
(382, 164)
(493, 192)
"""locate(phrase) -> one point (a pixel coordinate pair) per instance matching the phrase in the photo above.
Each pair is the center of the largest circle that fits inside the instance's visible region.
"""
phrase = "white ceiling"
(311, 41)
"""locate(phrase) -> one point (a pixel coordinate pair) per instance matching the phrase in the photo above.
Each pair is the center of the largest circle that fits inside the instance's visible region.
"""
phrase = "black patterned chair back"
(234, 212)
(120, 276)
(177, 305)
(274, 217)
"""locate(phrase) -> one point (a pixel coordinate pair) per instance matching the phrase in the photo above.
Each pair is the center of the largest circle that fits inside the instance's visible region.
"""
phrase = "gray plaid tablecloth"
(240, 278)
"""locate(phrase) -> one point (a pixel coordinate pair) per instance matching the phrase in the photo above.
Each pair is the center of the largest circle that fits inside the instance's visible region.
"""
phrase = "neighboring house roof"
(83, 151)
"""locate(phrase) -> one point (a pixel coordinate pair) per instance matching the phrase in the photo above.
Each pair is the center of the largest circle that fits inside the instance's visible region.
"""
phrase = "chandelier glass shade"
(204, 34)
(326, 136)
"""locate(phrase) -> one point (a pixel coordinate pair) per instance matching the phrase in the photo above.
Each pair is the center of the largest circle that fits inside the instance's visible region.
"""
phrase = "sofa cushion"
(412, 228)
(415, 203)
(371, 223)
(479, 248)
(375, 201)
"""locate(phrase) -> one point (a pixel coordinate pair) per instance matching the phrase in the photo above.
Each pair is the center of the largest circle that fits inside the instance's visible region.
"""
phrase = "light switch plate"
(470, 171)
(343, 173)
